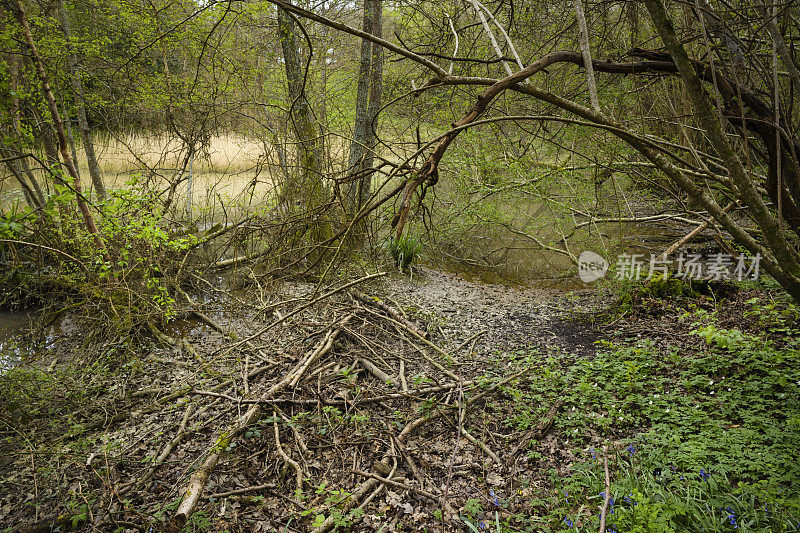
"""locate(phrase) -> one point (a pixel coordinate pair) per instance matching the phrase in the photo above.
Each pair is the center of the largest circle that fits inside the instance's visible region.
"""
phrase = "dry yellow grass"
(227, 169)
(225, 153)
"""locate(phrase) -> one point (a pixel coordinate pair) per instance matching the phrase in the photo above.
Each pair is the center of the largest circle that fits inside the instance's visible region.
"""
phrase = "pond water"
(13, 346)
(499, 256)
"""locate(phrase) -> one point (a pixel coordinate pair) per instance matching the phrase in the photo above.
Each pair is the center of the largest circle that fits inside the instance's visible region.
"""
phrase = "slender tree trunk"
(362, 130)
(307, 187)
(587, 55)
(375, 100)
(783, 50)
(59, 126)
(20, 168)
(13, 167)
(633, 22)
(80, 106)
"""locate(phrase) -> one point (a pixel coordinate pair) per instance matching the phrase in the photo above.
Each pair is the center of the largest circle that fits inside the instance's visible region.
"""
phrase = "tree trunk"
(783, 50)
(80, 99)
(306, 185)
(587, 55)
(375, 100)
(13, 167)
(59, 126)
(362, 130)
(20, 168)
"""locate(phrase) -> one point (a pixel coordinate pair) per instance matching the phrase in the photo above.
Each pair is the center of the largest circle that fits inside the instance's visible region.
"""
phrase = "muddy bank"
(401, 415)
(511, 317)
(116, 441)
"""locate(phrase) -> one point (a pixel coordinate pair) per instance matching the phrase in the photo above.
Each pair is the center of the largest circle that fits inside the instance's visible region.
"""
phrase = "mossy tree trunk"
(368, 103)
(305, 186)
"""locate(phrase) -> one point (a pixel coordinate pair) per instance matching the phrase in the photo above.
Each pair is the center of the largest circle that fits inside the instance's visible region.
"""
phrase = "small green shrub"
(404, 249)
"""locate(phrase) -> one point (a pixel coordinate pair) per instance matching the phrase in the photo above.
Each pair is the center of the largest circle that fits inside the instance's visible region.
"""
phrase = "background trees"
(486, 103)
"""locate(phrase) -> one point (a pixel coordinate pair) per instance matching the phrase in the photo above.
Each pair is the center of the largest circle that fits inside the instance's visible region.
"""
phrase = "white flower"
(712, 392)
(710, 381)
(650, 402)
(667, 410)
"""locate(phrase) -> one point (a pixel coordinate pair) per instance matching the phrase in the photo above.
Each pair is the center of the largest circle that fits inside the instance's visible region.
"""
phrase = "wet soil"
(513, 317)
(124, 423)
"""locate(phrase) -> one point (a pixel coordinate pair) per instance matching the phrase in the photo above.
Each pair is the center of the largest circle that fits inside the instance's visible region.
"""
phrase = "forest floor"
(427, 403)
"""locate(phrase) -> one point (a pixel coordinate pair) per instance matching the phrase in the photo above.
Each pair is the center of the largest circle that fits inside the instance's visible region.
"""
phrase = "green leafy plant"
(726, 407)
(404, 249)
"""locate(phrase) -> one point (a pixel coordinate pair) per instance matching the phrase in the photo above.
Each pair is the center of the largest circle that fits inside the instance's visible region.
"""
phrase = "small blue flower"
(629, 500)
(566, 495)
(481, 524)
(631, 448)
(495, 499)
(732, 517)
(568, 522)
(593, 452)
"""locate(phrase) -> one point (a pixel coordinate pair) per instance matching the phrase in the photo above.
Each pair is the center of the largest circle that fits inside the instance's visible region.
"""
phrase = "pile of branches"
(328, 409)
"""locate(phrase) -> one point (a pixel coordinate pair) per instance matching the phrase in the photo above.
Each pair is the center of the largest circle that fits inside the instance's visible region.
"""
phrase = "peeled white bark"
(587, 56)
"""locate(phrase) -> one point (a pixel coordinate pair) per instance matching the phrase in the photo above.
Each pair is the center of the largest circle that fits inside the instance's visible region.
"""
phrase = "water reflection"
(13, 347)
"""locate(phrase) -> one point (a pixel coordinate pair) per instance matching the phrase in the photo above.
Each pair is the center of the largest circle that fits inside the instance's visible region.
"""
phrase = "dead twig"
(377, 372)
(455, 448)
(306, 306)
(398, 485)
(196, 484)
(472, 338)
(482, 445)
(607, 499)
(376, 302)
(237, 492)
(298, 472)
(541, 429)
